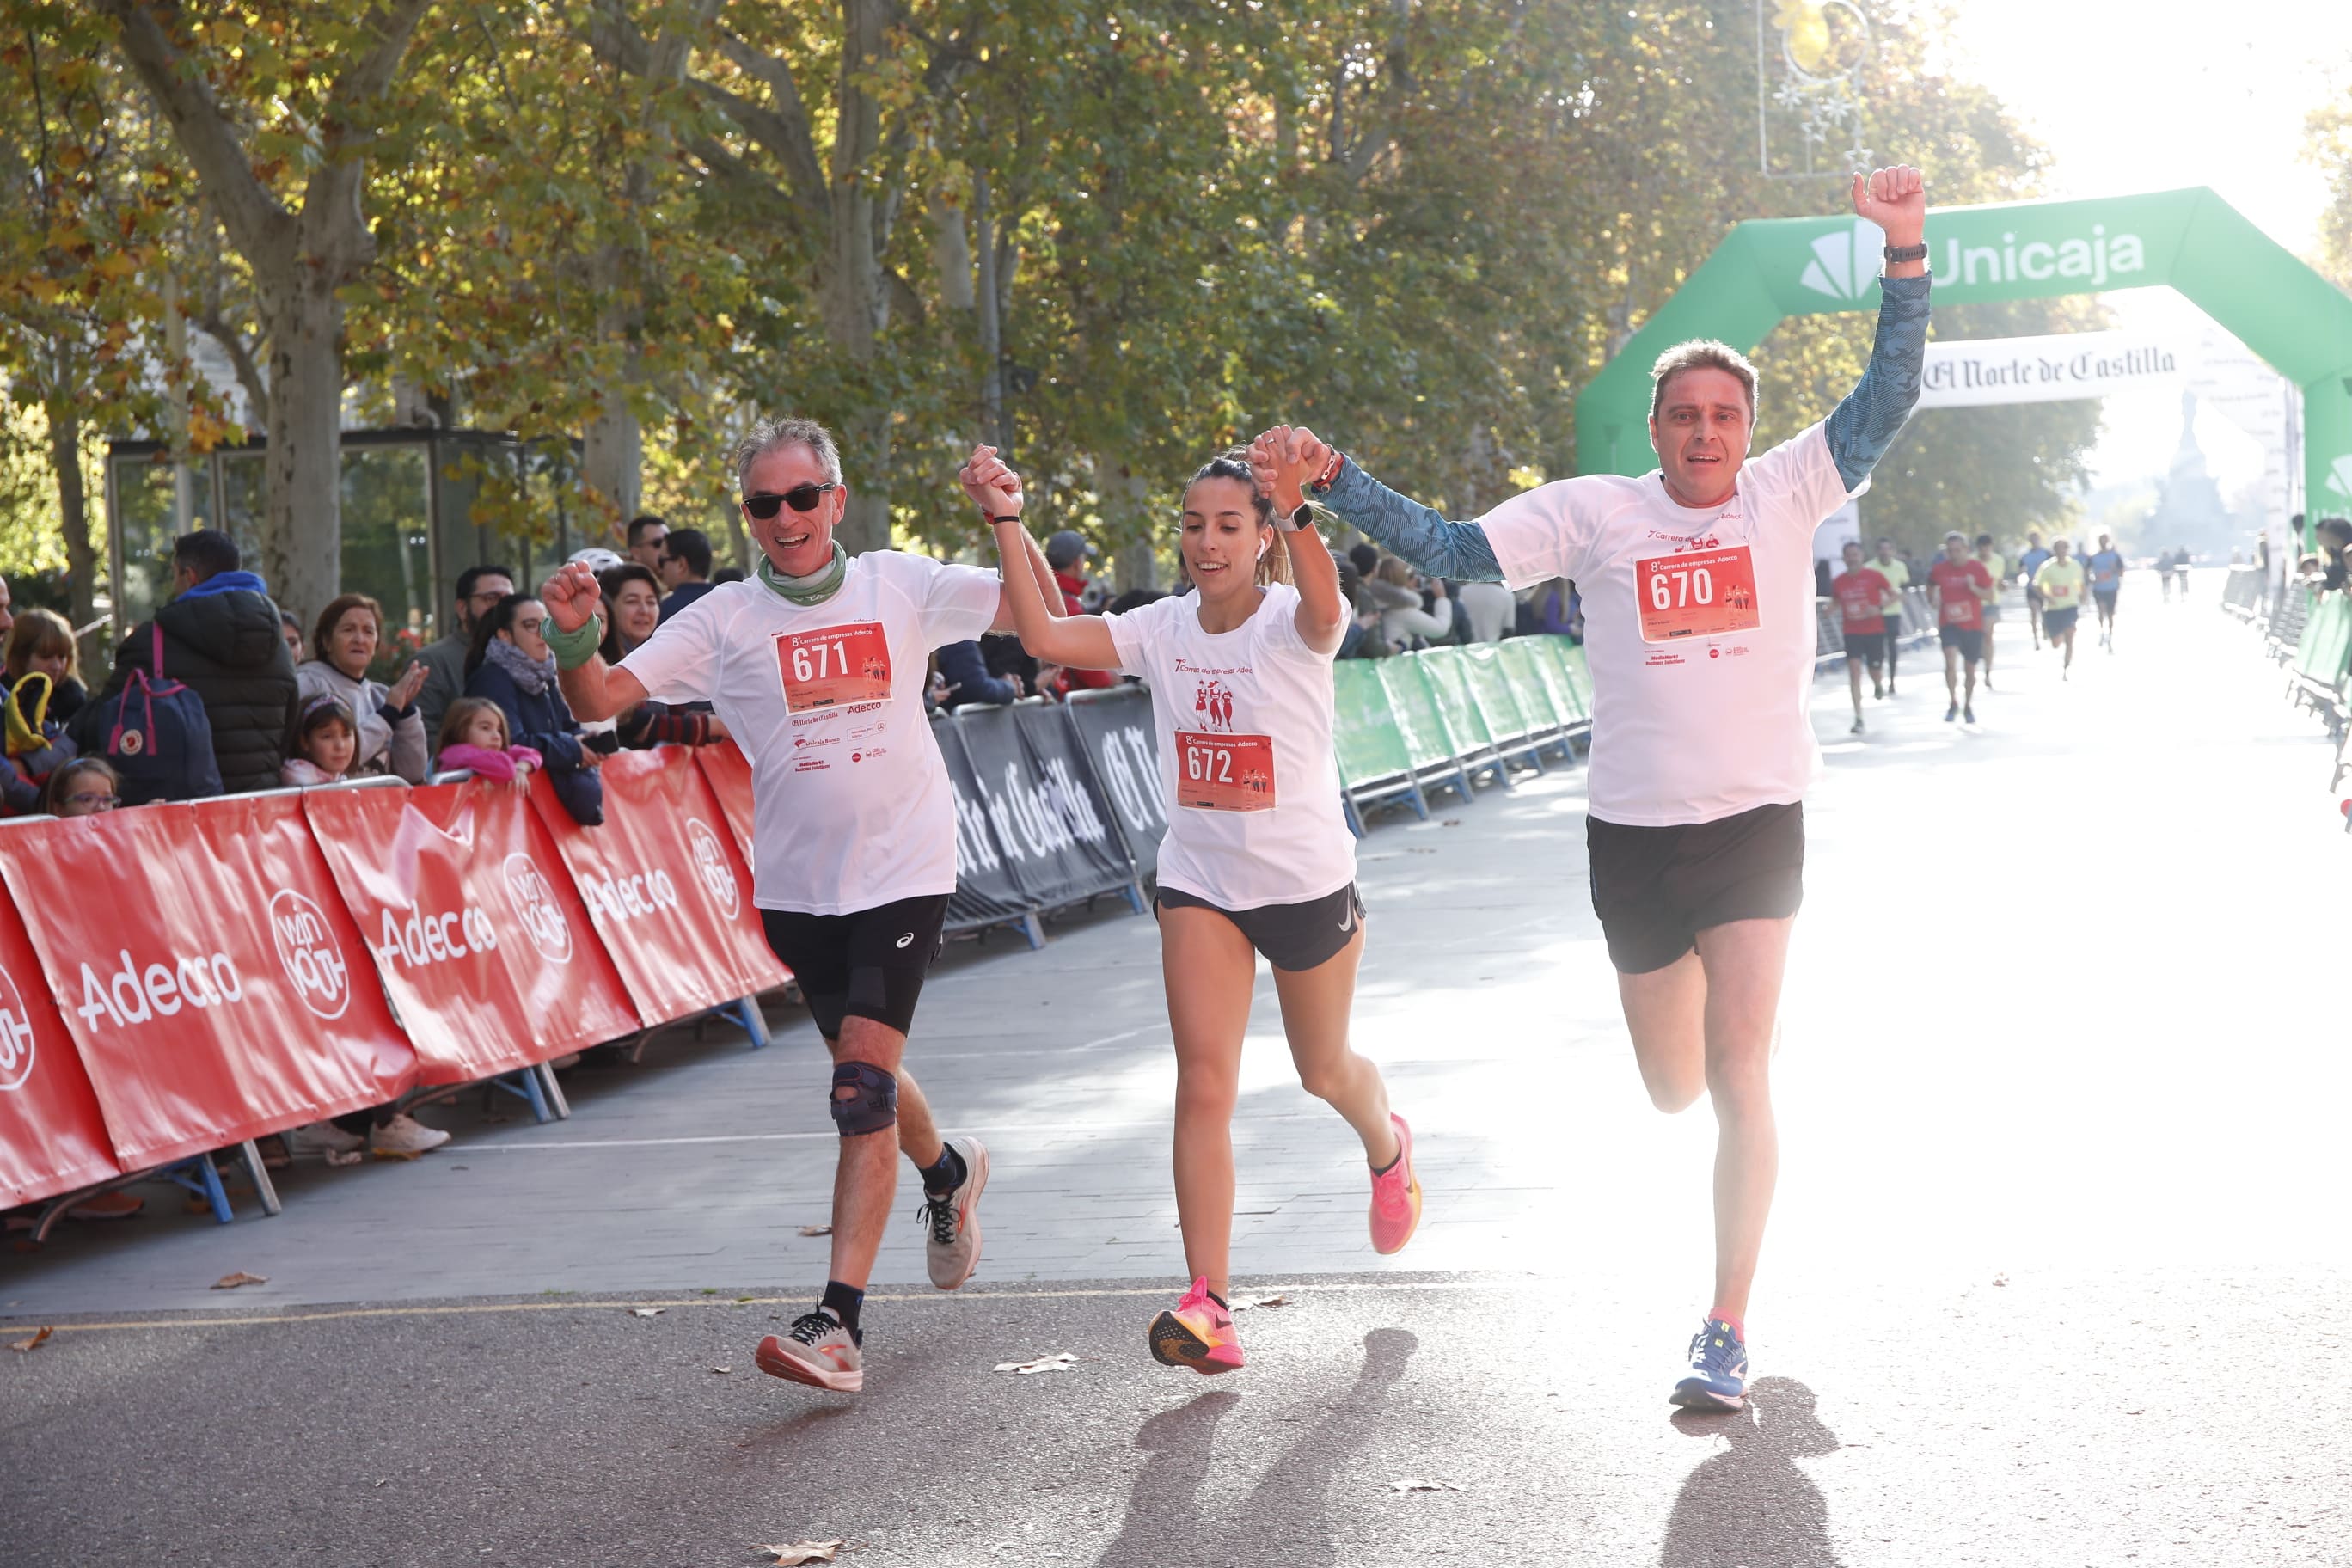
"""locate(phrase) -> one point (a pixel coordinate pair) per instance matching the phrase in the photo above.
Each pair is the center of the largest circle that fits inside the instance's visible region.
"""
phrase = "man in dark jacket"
(221, 637)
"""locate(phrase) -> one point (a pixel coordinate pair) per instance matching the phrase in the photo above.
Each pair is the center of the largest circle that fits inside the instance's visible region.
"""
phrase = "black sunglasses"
(799, 497)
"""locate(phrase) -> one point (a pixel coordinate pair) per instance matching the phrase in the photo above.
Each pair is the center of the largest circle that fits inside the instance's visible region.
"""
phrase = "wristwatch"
(1899, 253)
(1302, 518)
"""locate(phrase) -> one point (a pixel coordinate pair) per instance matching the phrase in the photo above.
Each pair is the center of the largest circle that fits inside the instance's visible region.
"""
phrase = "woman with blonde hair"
(41, 643)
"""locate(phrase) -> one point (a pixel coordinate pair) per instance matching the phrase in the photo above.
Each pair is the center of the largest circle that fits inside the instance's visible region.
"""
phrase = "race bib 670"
(1699, 594)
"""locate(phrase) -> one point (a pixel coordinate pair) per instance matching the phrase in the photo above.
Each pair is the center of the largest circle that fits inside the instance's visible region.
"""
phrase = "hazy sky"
(2160, 95)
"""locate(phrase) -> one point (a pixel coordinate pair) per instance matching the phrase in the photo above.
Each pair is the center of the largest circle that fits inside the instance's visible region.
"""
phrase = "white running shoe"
(404, 1134)
(818, 1352)
(324, 1138)
(952, 1222)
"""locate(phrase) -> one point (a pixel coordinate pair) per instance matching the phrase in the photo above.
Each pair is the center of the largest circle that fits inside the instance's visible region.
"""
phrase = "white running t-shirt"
(1699, 629)
(1245, 759)
(851, 805)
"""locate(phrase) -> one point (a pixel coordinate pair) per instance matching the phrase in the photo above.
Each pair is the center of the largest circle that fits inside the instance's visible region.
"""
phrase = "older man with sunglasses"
(816, 664)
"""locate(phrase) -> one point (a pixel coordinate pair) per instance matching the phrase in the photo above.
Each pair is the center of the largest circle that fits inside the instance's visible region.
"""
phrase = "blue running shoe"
(1719, 1379)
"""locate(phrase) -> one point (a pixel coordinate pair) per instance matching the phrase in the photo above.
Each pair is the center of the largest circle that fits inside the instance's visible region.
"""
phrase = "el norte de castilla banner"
(2046, 369)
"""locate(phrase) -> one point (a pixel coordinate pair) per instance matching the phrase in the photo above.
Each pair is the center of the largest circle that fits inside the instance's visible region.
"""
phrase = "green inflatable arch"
(1768, 269)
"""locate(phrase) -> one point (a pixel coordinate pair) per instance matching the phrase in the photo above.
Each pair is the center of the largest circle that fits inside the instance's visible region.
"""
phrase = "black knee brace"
(864, 1098)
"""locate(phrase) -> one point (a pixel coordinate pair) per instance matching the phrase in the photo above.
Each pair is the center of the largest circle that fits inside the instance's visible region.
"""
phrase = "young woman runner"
(1257, 860)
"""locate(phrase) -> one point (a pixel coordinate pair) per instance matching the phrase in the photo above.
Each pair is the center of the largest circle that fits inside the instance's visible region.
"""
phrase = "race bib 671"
(835, 667)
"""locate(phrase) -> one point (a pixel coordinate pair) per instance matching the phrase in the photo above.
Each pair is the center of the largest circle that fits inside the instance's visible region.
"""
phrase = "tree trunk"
(302, 544)
(614, 463)
(73, 506)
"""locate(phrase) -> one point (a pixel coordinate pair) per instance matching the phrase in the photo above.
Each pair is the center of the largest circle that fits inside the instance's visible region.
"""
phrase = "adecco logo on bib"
(312, 958)
(711, 865)
(15, 1036)
(1845, 263)
(535, 906)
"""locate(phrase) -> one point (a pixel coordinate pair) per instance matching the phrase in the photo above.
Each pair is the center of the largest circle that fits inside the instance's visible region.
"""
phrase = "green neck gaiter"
(811, 590)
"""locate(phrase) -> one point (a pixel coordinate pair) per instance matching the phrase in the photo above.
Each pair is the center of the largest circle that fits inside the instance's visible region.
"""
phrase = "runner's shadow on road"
(1752, 1504)
(1284, 1520)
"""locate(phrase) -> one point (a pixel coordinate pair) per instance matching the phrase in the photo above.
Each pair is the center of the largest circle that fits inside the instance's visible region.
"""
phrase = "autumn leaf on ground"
(722, 1371)
(231, 1281)
(648, 1312)
(805, 1551)
(395, 1154)
(1061, 1362)
(1247, 1302)
(40, 1338)
(1424, 1487)
(816, 1230)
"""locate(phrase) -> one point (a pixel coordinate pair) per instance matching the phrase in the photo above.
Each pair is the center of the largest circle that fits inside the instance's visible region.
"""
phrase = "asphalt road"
(2058, 1273)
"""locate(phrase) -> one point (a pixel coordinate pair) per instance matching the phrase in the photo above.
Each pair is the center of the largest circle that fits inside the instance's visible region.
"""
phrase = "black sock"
(1384, 1170)
(843, 1301)
(1220, 1301)
(944, 1174)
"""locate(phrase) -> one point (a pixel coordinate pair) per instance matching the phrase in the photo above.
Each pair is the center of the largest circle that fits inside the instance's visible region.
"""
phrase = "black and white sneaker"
(818, 1352)
(951, 1220)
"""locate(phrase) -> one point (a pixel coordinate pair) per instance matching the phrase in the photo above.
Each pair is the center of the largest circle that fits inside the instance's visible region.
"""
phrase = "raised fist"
(1896, 199)
(572, 597)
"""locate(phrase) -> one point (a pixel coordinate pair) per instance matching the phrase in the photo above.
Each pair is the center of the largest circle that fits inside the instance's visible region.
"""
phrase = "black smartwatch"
(1899, 253)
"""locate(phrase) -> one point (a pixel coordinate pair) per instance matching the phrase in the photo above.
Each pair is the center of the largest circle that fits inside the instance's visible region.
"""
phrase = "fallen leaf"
(395, 1154)
(722, 1371)
(1451, 822)
(816, 1230)
(1060, 1361)
(339, 1158)
(648, 1312)
(40, 1338)
(231, 1281)
(1247, 1302)
(196, 1205)
(1424, 1487)
(805, 1551)
(2001, 1278)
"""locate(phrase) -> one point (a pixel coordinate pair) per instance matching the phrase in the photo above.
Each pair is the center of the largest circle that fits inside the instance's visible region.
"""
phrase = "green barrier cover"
(1368, 743)
(2314, 631)
(1449, 680)
(1412, 708)
(1542, 687)
(1567, 658)
(1490, 687)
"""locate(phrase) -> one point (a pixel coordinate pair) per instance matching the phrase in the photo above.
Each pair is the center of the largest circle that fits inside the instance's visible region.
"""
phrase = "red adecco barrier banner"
(666, 886)
(473, 924)
(729, 773)
(201, 960)
(52, 1136)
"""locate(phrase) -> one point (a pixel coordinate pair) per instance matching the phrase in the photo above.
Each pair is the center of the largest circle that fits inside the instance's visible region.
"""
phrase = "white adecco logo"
(312, 958)
(15, 1036)
(535, 906)
(2339, 475)
(1844, 263)
(711, 865)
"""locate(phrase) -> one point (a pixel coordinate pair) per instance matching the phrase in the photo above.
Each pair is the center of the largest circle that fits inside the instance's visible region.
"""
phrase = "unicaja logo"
(711, 865)
(1845, 263)
(535, 906)
(2339, 475)
(15, 1036)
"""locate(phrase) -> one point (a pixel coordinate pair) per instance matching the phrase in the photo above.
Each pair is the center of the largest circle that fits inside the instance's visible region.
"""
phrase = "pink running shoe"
(1198, 1335)
(1396, 1197)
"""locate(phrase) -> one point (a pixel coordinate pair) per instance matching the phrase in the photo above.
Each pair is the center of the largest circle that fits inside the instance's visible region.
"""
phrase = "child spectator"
(85, 786)
(40, 643)
(474, 736)
(326, 742)
(512, 666)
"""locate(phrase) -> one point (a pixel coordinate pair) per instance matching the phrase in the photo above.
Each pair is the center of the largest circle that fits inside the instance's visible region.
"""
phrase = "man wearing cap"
(1066, 552)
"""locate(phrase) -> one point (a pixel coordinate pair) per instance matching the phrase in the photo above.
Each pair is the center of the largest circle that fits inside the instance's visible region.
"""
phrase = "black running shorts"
(1970, 641)
(1868, 647)
(868, 962)
(1655, 889)
(2058, 623)
(1292, 936)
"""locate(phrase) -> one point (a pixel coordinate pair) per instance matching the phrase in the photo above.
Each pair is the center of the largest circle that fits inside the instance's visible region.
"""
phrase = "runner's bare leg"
(866, 1180)
(1744, 962)
(1854, 680)
(1316, 1003)
(1210, 969)
(1952, 675)
(1665, 1012)
(918, 1135)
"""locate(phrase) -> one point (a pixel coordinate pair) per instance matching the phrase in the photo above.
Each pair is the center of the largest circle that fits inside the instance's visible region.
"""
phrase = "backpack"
(157, 736)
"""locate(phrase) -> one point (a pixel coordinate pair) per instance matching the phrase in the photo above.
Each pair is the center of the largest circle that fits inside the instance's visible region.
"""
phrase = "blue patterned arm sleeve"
(1418, 534)
(1860, 428)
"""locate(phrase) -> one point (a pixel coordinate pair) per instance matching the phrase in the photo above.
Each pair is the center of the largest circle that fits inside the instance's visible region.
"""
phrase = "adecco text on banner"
(425, 937)
(627, 898)
(312, 958)
(536, 906)
(15, 1036)
(130, 996)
